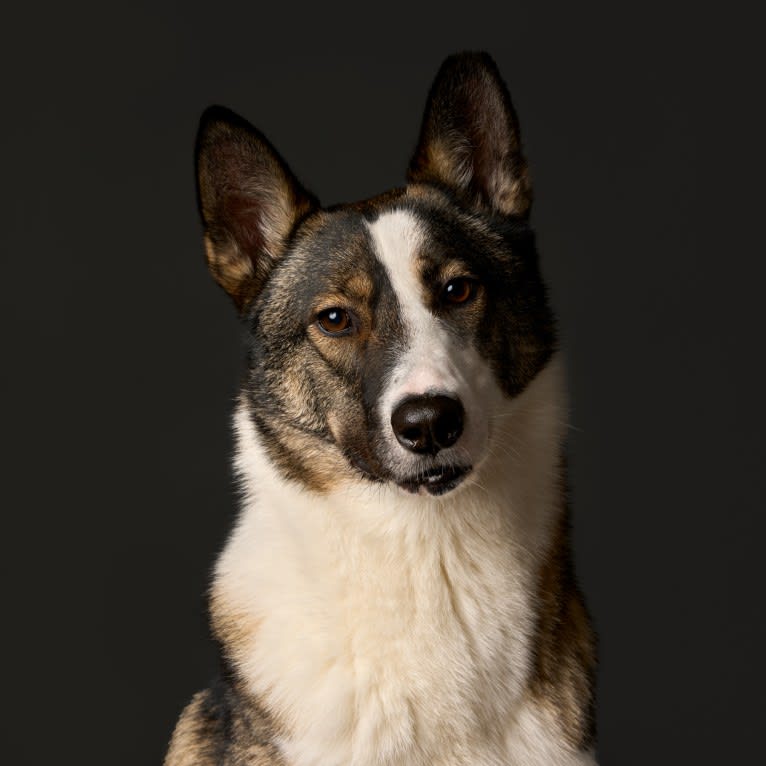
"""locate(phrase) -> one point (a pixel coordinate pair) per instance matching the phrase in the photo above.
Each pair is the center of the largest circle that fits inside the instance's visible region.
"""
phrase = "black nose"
(426, 424)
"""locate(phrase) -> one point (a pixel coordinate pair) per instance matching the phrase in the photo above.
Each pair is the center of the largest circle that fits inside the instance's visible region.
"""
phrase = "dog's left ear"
(249, 200)
(469, 140)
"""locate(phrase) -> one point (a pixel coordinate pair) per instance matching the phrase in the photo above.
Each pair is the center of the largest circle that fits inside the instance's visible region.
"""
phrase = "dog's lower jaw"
(437, 481)
(379, 631)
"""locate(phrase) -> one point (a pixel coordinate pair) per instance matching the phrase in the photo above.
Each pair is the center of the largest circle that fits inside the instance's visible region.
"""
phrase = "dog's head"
(385, 337)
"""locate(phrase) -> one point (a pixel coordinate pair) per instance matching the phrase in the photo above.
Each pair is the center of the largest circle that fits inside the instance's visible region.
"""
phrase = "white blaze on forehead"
(397, 237)
(430, 361)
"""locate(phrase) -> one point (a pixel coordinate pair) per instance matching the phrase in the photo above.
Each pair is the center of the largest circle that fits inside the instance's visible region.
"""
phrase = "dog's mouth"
(436, 481)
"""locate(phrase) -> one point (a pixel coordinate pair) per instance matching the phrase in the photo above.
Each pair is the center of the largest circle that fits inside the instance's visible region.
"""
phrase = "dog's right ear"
(249, 200)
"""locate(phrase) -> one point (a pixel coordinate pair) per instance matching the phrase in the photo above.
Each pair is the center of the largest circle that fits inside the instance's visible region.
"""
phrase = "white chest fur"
(389, 629)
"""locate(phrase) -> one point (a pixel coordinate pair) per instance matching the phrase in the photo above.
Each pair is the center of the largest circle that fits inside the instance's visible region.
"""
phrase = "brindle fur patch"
(565, 651)
(223, 727)
(299, 380)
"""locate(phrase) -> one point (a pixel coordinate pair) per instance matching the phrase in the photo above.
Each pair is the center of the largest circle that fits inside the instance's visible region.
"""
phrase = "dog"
(398, 589)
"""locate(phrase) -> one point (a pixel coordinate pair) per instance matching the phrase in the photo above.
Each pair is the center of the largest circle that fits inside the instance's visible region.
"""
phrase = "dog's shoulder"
(198, 736)
(216, 729)
(564, 667)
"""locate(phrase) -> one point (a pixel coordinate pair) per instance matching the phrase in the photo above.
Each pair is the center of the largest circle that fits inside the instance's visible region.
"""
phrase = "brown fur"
(218, 732)
(320, 468)
(194, 735)
(565, 660)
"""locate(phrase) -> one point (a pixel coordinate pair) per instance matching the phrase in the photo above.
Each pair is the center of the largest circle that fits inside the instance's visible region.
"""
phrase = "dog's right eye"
(460, 290)
(334, 321)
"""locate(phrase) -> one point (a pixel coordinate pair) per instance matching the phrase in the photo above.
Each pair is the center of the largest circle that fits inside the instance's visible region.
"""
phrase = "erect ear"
(249, 200)
(469, 140)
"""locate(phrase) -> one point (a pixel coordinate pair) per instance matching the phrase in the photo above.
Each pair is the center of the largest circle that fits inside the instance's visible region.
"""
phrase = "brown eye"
(334, 321)
(459, 290)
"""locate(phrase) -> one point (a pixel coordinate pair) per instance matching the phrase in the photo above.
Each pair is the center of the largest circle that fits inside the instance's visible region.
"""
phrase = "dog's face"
(386, 337)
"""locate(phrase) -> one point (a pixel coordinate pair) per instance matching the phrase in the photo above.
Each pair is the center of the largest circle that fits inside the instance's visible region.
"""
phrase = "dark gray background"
(120, 356)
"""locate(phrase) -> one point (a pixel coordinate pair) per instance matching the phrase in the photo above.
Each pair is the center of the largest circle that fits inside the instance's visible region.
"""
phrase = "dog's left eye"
(334, 321)
(459, 290)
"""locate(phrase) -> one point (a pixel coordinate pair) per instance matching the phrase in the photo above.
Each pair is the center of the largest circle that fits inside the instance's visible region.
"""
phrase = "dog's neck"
(340, 603)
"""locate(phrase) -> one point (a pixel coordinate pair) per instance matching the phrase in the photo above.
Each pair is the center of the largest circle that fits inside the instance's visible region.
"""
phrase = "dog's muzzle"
(426, 424)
